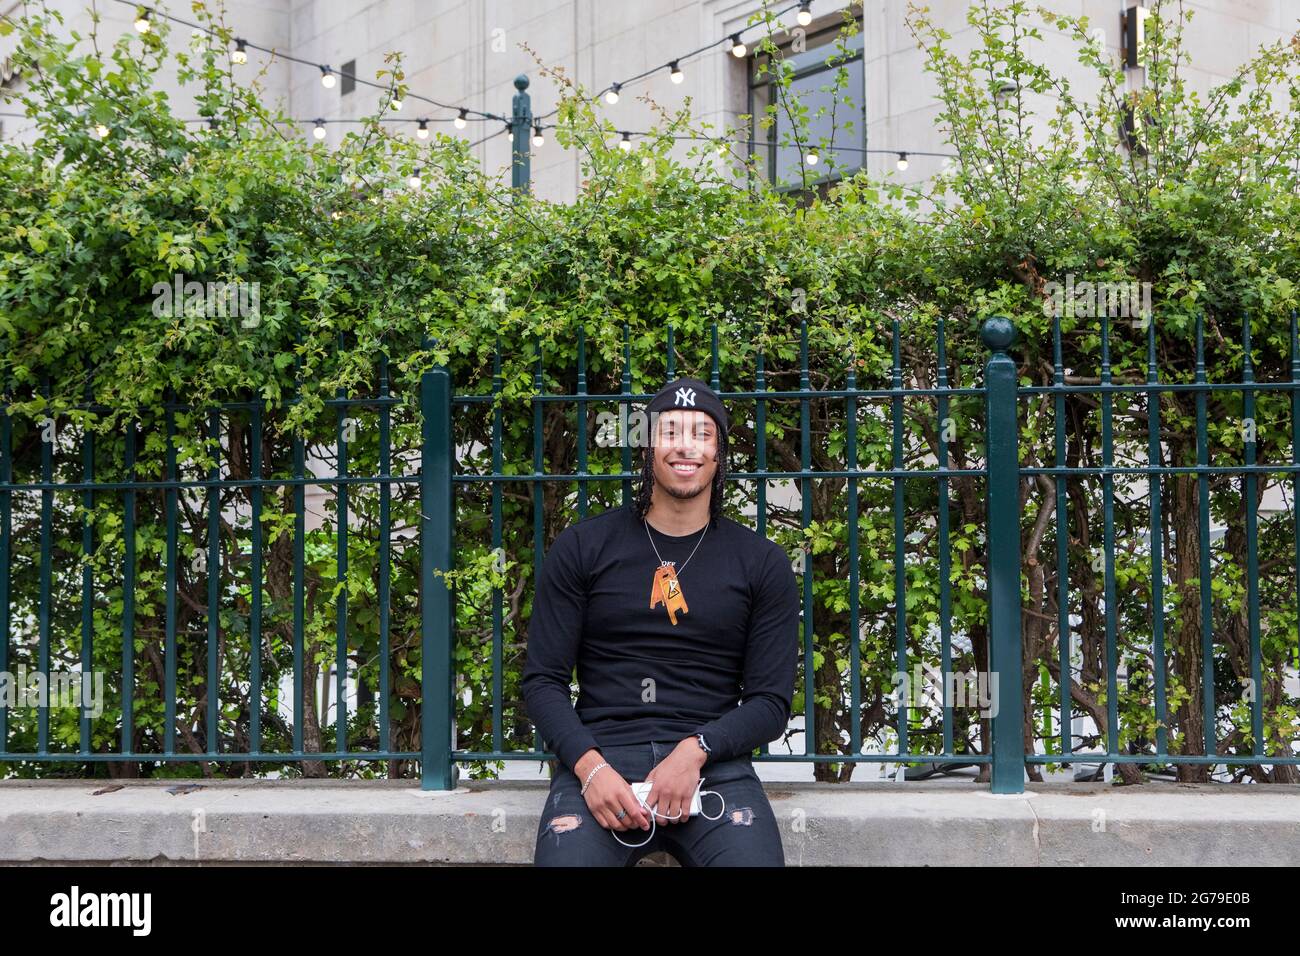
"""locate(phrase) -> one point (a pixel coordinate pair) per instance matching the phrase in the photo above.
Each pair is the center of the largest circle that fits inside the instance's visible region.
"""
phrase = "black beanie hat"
(690, 393)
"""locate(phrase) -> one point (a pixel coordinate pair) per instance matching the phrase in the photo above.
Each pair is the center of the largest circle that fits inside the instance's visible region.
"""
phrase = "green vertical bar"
(1108, 539)
(624, 413)
(437, 716)
(1295, 460)
(805, 495)
(341, 578)
(715, 381)
(255, 570)
(855, 629)
(1157, 541)
(385, 553)
(6, 530)
(760, 443)
(1207, 619)
(945, 547)
(87, 575)
(299, 574)
(539, 492)
(1003, 461)
(900, 570)
(128, 595)
(498, 686)
(760, 448)
(169, 690)
(47, 534)
(1063, 630)
(582, 421)
(1251, 501)
(213, 729)
(672, 355)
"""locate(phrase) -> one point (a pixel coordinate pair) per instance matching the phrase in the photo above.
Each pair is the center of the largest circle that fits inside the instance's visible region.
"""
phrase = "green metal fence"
(445, 495)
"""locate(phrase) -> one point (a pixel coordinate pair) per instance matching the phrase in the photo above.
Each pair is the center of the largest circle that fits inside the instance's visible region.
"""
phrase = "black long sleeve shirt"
(725, 669)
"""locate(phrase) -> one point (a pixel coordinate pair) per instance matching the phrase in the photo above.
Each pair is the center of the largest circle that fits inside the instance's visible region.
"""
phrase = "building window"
(349, 83)
(842, 113)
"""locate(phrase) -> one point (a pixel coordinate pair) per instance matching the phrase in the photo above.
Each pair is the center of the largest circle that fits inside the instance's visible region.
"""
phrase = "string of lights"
(675, 73)
(239, 56)
(465, 115)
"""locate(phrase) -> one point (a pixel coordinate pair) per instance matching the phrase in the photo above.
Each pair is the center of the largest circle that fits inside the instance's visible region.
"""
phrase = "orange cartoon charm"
(667, 590)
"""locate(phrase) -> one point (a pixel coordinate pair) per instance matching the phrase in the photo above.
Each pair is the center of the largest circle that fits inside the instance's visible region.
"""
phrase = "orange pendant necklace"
(666, 588)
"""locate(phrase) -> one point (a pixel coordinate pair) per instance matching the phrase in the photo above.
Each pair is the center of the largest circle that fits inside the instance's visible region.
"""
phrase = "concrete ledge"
(495, 823)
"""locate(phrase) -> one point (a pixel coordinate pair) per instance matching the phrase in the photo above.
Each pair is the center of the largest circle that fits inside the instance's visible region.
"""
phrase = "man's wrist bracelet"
(587, 782)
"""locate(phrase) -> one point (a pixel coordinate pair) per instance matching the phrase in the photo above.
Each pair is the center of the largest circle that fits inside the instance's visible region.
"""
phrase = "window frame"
(752, 84)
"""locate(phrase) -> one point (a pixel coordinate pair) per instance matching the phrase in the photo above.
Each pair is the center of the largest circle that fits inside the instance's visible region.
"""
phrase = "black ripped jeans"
(746, 834)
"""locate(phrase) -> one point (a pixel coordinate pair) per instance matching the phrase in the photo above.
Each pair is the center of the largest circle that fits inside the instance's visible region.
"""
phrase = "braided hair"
(641, 506)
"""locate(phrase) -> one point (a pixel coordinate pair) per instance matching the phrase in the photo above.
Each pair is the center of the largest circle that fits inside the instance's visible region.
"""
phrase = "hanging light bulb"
(611, 95)
(723, 148)
(101, 131)
(422, 131)
(241, 52)
(625, 144)
(319, 131)
(902, 162)
(812, 159)
(538, 138)
(737, 48)
(677, 75)
(988, 168)
(804, 16)
(327, 77)
(459, 121)
(397, 103)
(142, 22)
(414, 182)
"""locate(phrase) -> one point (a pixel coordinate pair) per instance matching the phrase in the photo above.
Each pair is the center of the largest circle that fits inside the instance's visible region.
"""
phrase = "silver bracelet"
(587, 782)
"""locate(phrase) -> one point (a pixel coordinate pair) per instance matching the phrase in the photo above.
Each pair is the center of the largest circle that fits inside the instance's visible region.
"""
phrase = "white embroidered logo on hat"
(685, 396)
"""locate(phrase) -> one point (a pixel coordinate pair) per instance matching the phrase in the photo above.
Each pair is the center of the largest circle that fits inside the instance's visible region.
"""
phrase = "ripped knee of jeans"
(564, 823)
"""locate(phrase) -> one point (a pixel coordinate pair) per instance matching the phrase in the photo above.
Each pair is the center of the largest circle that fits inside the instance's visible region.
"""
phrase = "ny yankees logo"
(685, 396)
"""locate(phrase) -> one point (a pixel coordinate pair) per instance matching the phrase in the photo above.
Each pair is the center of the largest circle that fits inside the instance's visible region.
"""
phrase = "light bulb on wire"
(319, 131)
(902, 162)
(142, 22)
(414, 182)
(625, 144)
(101, 131)
(422, 131)
(804, 16)
(677, 75)
(611, 95)
(738, 49)
(459, 121)
(327, 77)
(812, 159)
(538, 138)
(240, 54)
(397, 103)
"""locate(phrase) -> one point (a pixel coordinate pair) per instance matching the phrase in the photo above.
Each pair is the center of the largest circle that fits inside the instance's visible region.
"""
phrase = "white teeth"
(686, 469)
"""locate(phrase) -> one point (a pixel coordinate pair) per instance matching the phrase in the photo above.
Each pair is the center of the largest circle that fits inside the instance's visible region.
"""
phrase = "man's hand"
(675, 780)
(609, 793)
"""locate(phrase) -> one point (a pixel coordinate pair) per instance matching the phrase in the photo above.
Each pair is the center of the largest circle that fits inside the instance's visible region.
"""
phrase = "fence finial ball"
(521, 82)
(998, 333)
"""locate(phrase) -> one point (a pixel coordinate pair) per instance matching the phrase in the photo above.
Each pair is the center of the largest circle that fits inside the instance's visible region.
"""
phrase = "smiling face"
(685, 452)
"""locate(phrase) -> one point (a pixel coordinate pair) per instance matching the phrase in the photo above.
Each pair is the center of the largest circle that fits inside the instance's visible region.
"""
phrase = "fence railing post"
(1005, 653)
(521, 121)
(437, 714)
